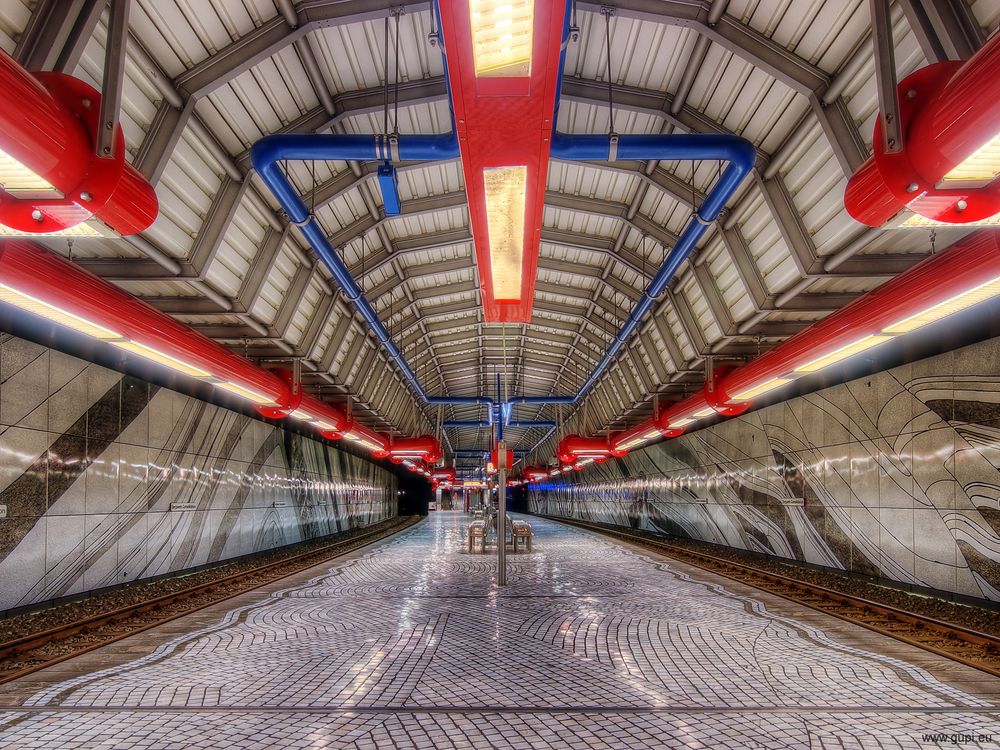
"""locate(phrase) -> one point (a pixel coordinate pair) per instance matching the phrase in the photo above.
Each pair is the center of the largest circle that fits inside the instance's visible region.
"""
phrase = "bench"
(477, 530)
(521, 530)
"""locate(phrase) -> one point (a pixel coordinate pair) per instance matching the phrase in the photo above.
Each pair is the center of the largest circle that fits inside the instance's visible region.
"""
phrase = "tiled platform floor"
(592, 645)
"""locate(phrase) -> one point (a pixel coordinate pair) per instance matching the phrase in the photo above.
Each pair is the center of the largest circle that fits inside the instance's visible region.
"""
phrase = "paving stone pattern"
(591, 645)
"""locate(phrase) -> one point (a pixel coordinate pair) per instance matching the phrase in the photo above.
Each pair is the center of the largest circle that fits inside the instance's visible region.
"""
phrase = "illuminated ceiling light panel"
(55, 314)
(651, 434)
(250, 395)
(982, 166)
(83, 230)
(501, 37)
(303, 415)
(704, 413)
(325, 425)
(767, 385)
(18, 180)
(505, 195)
(161, 358)
(634, 442)
(361, 441)
(916, 221)
(681, 423)
(843, 352)
(957, 303)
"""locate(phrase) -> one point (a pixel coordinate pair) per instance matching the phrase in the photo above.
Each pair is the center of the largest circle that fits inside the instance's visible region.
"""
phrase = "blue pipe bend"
(269, 151)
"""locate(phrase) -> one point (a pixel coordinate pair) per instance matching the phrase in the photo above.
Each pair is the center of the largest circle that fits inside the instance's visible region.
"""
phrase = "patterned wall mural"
(896, 475)
(106, 479)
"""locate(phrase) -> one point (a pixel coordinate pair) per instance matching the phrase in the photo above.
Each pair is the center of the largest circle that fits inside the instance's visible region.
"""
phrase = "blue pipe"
(524, 424)
(482, 453)
(269, 151)
(741, 156)
(497, 411)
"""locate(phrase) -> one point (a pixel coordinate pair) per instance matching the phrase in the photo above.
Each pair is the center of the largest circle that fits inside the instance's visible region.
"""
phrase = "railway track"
(25, 654)
(961, 644)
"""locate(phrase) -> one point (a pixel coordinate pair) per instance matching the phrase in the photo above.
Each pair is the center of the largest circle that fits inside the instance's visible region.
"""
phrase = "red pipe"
(49, 125)
(422, 448)
(324, 414)
(376, 442)
(948, 110)
(970, 263)
(32, 270)
(535, 473)
(103, 311)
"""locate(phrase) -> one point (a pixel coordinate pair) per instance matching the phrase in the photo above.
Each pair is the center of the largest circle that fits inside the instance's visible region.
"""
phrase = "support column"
(501, 513)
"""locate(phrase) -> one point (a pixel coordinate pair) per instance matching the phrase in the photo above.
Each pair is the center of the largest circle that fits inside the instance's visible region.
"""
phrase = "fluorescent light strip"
(161, 358)
(634, 442)
(916, 221)
(501, 37)
(303, 415)
(84, 229)
(981, 166)
(956, 304)
(74, 322)
(651, 434)
(325, 425)
(767, 385)
(250, 395)
(682, 423)
(505, 195)
(704, 413)
(18, 180)
(56, 314)
(855, 347)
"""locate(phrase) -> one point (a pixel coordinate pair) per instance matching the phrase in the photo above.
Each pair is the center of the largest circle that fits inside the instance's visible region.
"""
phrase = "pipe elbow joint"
(266, 152)
(742, 154)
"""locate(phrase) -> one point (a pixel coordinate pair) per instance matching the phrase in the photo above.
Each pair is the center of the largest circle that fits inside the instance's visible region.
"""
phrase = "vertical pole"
(501, 513)
(114, 77)
(885, 76)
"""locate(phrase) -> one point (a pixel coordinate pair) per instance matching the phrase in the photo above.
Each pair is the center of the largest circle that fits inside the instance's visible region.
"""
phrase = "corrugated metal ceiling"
(606, 227)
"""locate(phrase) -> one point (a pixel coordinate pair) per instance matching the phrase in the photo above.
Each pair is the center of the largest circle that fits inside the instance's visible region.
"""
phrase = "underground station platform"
(499, 374)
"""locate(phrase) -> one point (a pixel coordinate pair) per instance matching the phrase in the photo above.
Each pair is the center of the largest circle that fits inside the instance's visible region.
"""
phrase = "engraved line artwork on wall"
(108, 479)
(896, 475)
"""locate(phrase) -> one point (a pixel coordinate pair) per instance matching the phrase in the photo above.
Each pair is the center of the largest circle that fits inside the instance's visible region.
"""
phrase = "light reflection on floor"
(590, 645)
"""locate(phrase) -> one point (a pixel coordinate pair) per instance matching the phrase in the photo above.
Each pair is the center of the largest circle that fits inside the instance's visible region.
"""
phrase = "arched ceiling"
(206, 78)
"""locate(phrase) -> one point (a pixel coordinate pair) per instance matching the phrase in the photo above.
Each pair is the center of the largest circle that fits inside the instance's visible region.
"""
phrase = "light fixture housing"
(51, 175)
(947, 169)
(503, 72)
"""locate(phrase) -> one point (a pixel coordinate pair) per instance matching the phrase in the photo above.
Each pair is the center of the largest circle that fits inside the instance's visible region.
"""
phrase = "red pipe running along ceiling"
(503, 69)
(941, 285)
(43, 283)
(51, 178)
(949, 168)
